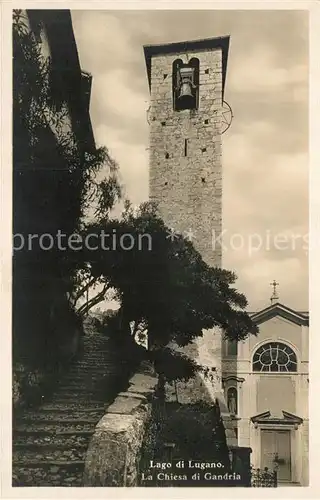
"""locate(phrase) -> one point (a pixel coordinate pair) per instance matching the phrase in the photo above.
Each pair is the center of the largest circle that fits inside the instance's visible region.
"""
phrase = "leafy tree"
(165, 287)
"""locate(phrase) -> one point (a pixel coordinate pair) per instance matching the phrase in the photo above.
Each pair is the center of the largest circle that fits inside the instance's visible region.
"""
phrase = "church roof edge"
(278, 309)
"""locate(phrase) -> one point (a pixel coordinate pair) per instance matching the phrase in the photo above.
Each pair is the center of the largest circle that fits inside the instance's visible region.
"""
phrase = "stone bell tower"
(186, 81)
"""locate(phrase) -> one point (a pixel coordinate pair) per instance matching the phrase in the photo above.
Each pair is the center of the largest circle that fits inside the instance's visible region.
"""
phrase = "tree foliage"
(164, 285)
(56, 175)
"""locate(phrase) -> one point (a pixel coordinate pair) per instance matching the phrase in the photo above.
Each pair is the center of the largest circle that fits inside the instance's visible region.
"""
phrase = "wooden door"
(283, 450)
(275, 450)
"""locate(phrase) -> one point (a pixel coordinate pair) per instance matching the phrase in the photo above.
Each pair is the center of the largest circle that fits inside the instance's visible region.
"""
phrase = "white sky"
(265, 151)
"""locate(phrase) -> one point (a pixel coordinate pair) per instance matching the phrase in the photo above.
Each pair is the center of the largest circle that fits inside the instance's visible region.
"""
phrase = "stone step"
(83, 377)
(81, 381)
(87, 376)
(50, 442)
(74, 392)
(102, 349)
(100, 367)
(91, 359)
(94, 362)
(98, 347)
(48, 464)
(106, 354)
(77, 375)
(60, 406)
(94, 368)
(101, 342)
(81, 389)
(99, 352)
(72, 427)
(95, 335)
(74, 396)
(98, 356)
(29, 457)
(68, 474)
(84, 373)
(42, 441)
(77, 403)
(66, 428)
(98, 363)
(48, 416)
(86, 379)
(91, 364)
(80, 399)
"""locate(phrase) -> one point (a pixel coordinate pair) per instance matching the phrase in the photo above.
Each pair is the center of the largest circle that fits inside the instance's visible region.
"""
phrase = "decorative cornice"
(261, 416)
(233, 377)
(287, 419)
(280, 310)
(291, 416)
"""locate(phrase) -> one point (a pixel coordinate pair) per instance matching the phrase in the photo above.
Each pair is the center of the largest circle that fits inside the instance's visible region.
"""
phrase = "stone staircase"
(50, 442)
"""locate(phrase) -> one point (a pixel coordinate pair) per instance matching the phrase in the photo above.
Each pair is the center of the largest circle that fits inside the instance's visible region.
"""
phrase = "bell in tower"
(186, 87)
(185, 84)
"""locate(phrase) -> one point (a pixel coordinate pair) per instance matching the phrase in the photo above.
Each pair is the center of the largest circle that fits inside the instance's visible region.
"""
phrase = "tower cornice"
(221, 42)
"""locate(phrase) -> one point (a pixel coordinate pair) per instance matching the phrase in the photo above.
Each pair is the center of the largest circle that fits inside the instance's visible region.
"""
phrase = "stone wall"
(206, 351)
(114, 452)
(24, 380)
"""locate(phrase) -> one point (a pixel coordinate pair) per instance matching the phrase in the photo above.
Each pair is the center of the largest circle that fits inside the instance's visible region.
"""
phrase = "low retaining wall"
(114, 451)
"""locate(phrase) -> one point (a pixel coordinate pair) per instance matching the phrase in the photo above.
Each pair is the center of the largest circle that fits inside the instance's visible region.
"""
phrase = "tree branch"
(92, 302)
(83, 290)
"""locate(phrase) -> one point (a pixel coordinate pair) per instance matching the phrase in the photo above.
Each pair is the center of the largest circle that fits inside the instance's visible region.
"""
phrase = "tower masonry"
(186, 82)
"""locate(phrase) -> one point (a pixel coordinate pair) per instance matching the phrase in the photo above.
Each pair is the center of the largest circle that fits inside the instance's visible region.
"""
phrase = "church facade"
(266, 382)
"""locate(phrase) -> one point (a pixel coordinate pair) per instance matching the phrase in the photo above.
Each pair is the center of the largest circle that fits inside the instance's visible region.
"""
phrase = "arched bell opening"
(185, 84)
